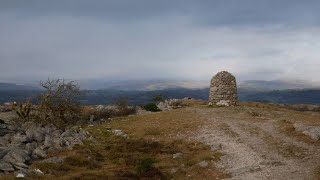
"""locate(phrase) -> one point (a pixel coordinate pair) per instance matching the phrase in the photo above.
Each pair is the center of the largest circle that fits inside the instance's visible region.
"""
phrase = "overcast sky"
(170, 39)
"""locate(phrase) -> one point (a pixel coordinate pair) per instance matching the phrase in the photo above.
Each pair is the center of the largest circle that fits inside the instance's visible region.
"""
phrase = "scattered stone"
(20, 166)
(38, 172)
(119, 132)
(39, 153)
(21, 144)
(20, 175)
(177, 155)
(312, 131)
(6, 167)
(91, 118)
(173, 170)
(223, 90)
(35, 133)
(140, 110)
(170, 104)
(203, 164)
(216, 147)
(18, 139)
(67, 133)
(16, 156)
(223, 103)
(4, 142)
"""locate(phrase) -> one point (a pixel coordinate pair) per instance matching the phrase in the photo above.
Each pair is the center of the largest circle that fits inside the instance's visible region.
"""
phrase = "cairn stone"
(223, 90)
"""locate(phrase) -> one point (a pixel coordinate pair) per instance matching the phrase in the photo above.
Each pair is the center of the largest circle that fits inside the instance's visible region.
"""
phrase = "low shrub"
(23, 110)
(145, 165)
(152, 107)
(58, 104)
(177, 104)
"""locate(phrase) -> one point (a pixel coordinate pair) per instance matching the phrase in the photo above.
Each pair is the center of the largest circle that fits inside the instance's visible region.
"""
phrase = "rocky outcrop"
(223, 90)
(312, 131)
(19, 145)
(170, 104)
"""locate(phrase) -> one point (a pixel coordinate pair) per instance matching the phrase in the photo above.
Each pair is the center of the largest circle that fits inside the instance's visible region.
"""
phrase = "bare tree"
(58, 105)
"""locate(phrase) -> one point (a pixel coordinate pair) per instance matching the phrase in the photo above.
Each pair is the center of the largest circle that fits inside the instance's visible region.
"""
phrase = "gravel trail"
(254, 146)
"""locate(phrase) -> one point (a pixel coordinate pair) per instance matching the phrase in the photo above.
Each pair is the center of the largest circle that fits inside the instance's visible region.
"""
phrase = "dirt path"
(255, 146)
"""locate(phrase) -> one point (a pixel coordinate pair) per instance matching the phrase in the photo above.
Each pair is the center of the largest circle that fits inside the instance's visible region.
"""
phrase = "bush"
(58, 104)
(23, 110)
(177, 103)
(145, 165)
(152, 107)
(158, 98)
(123, 108)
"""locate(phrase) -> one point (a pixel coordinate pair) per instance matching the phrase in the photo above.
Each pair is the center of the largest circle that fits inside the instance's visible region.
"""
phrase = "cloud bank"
(143, 39)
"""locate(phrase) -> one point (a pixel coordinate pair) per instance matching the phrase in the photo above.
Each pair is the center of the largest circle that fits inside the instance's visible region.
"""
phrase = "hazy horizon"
(144, 40)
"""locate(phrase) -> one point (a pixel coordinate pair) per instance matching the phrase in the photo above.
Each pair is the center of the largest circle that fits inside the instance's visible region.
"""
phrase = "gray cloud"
(144, 39)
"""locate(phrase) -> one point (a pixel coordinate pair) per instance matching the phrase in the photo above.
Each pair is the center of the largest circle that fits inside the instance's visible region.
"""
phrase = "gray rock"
(203, 164)
(170, 104)
(173, 170)
(8, 117)
(12, 128)
(177, 155)
(47, 141)
(4, 166)
(83, 134)
(216, 147)
(3, 152)
(52, 141)
(311, 131)
(15, 156)
(71, 141)
(4, 131)
(39, 153)
(31, 146)
(4, 142)
(38, 172)
(20, 175)
(91, 118)
(19, 139)
(67, 133)
(20, 166)
(35, 133)
(119, 132)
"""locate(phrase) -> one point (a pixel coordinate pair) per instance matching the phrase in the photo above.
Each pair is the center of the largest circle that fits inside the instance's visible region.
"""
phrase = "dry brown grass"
(287, 127)
(155, 136)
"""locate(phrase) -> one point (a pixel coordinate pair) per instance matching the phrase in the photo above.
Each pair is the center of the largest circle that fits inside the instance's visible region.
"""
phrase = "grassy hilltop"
(253, 140)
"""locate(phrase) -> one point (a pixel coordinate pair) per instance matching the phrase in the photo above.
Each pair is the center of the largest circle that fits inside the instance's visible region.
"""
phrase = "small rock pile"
(312, 131)
(20, 145)
(170, 104)
(223, 90)
(106, 107)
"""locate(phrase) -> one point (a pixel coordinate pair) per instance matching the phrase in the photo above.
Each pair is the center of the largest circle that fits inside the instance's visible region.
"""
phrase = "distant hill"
(141, 92)
(15, 87)
(305, 96)
(142, 85)
(258, 85)
(152, 85)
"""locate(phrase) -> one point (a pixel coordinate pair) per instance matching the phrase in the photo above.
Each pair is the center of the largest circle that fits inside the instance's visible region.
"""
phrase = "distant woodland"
(93, 97)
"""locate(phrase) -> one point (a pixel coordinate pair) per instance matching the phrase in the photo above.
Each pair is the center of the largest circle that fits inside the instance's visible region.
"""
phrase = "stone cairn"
(223, 90)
